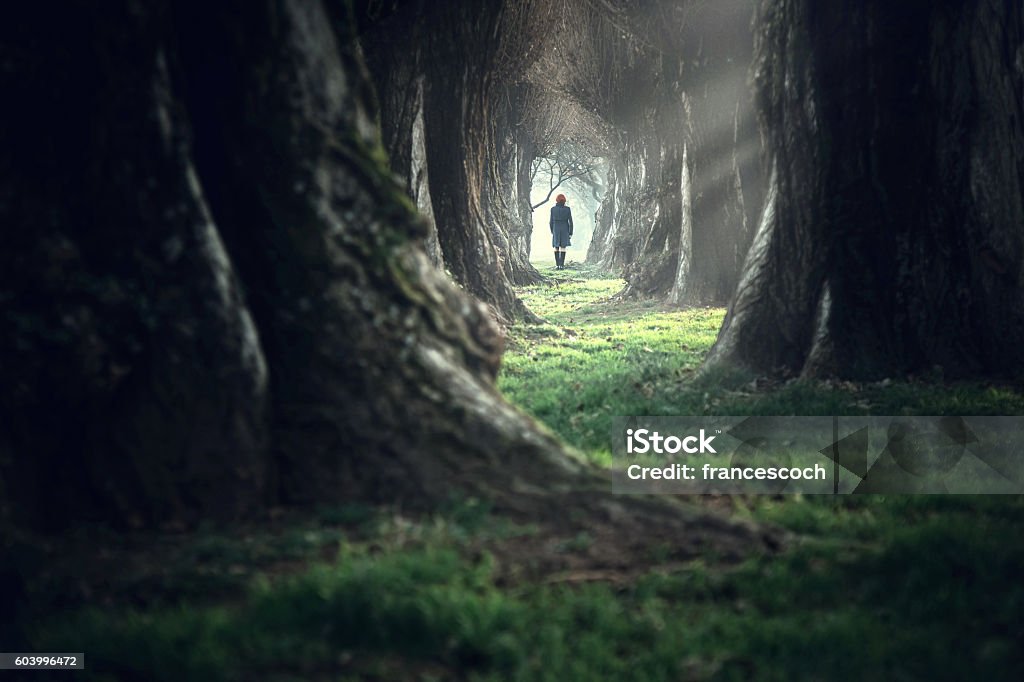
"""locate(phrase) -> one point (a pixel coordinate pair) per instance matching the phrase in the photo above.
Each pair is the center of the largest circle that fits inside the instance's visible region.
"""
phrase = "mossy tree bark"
(217, 298)
(393, 40)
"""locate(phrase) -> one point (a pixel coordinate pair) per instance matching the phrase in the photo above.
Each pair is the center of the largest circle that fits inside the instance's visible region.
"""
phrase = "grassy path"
(597, 358)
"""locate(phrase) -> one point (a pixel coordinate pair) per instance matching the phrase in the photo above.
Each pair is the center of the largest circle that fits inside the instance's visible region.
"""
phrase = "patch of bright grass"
(596, 358)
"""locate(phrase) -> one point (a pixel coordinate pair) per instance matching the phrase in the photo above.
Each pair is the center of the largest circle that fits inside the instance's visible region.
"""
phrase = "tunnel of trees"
(262, 253)
(218, 297)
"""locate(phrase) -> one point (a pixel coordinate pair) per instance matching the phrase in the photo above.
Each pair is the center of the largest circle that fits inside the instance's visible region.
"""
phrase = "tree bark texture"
(526, 152)
(459, 54)
(658, 232)
(217, 298)
(724, 161)
(136, 382)
(893, 235)
(394, 58)
(502, 192)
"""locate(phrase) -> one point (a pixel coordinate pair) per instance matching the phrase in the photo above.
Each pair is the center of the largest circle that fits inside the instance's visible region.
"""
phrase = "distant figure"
(561, 229)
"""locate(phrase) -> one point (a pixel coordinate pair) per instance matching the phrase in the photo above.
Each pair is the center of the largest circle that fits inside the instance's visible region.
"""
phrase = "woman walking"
(561, 229)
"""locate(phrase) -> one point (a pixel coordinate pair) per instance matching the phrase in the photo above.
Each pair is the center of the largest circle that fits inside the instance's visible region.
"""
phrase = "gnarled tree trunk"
(502, 193)
(217, 298)
(724, 178)
(393, 43)
(617, 236)
(525, 154)
(465, 102)
(603, 251)
(659, 232)
(438, 67)
(136, 376)
(893, 237)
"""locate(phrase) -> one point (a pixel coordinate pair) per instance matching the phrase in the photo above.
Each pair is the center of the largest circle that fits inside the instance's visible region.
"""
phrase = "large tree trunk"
(723, 174)
(526, 152)
(893, 237)
(436, 66)
(620, 219)
(394, 55)
(695, 258)
(136, 383)
(465, 102)
(502, 196)
(608, 251)
(217, 298)
(659, 231)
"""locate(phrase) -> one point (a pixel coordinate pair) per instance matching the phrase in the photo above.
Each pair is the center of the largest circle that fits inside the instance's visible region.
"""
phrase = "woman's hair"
(560, 199)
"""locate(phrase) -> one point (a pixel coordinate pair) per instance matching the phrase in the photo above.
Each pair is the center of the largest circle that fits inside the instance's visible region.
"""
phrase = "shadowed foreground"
(868, 588)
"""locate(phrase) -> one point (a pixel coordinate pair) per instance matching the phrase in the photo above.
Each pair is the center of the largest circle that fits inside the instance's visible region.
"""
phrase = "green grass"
(920, 588)
(597, 358)
(593, 360)
(872, 588)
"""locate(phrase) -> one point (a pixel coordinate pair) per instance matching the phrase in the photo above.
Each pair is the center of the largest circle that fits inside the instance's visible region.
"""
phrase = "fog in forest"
(292, 386)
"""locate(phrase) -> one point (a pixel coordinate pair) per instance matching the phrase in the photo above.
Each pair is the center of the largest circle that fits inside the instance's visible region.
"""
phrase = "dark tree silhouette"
(394, 40)
(458, 66)
(893, 236)
(216, 297)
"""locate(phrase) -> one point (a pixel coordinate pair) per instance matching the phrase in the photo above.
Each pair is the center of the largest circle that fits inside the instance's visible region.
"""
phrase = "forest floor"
(894, 588)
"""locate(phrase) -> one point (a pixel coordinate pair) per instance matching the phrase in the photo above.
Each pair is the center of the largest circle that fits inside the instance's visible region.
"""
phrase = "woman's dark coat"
(561, 225)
